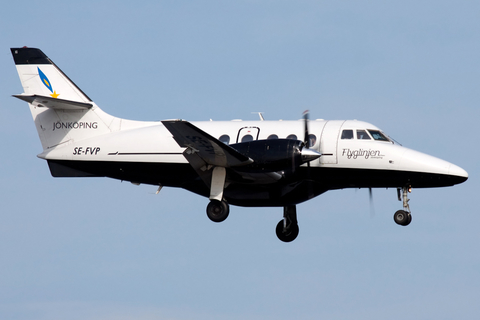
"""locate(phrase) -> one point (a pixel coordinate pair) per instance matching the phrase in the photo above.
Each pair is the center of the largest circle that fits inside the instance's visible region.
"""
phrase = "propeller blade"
(307, 154)
(306, 138)
(372, 208)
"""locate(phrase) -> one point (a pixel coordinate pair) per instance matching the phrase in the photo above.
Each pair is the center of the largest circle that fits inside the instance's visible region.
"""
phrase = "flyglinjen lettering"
(74, 125)
(361, 153)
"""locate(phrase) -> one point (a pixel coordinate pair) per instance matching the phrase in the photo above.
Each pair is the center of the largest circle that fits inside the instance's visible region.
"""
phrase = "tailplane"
(62, 112)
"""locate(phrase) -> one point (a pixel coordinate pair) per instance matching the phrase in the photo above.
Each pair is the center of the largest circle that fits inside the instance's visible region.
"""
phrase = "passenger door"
(246, 134)
(329, 141)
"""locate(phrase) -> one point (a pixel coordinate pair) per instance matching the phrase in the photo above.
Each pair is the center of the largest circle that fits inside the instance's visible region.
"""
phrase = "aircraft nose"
(458, 173)
(434, 172)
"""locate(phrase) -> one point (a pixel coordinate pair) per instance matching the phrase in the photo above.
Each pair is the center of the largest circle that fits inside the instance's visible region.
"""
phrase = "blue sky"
(99, 249)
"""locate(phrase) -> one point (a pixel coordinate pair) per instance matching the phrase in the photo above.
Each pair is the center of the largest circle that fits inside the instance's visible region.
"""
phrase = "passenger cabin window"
(362, 135)
(292, 137)
(377, 135)
(312, 139)
(347, 134)
(225, 139)
(272, 136)
(247, 138)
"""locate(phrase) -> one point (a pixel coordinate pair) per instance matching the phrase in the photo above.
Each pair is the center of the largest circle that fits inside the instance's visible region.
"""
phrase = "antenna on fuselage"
(260, 114)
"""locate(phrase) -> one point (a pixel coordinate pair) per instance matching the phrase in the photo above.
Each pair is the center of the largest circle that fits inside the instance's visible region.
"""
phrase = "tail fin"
(62, 112)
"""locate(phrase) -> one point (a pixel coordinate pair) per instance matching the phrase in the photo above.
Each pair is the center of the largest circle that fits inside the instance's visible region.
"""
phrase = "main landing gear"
(403, 217)
(217, 211)
(287, 228)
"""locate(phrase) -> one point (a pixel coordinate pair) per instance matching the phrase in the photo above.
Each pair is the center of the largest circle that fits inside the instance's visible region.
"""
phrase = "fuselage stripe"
(142, 153)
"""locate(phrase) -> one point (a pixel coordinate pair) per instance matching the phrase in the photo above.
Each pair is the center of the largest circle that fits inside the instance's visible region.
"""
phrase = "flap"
(211, 150)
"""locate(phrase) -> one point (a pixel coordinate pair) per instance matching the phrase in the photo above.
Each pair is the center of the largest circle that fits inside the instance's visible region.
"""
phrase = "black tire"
(409, 219)
(218, 211)
(402, 217)
(290, 234)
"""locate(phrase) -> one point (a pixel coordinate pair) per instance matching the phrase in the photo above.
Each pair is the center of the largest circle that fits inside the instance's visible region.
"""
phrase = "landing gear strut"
(218, 211)
(403, 217)
(287, 229)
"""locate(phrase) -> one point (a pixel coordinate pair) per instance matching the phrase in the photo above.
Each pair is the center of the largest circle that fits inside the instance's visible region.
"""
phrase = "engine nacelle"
(275, 155)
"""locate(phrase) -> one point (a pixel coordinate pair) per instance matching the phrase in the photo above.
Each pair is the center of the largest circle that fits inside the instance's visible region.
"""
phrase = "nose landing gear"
(403, 217)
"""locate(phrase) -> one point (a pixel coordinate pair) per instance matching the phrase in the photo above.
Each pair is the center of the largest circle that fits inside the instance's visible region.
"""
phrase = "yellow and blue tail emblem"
(47, 83)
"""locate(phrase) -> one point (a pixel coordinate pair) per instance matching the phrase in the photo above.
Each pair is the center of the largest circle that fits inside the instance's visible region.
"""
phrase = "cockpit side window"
(347, 134)
(362, 135)
(377, 135)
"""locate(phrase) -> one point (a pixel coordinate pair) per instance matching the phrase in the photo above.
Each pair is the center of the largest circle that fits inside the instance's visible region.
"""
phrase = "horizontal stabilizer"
(208, 148)
(54, 103)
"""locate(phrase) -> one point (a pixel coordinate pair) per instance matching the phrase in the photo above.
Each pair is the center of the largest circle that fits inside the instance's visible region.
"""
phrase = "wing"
(211, 150)
(205, 152)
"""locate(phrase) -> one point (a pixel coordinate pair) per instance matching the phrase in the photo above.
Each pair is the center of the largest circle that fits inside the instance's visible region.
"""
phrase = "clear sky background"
(99, 249)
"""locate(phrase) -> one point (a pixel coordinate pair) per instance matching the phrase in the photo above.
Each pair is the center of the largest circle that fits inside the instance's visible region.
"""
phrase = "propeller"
(372, 208)
(306, 138)
(308, 154)
(306, 150)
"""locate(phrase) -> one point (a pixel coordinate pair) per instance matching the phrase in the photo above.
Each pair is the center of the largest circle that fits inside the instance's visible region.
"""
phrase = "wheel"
(409, 219)
(402, 217)
(289, 235)
(217, 211)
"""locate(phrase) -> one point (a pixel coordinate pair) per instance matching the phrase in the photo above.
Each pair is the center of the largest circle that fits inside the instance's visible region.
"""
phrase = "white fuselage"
(151, 142)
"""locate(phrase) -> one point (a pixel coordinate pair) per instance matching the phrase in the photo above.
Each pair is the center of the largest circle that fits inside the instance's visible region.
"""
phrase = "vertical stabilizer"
(62, 112)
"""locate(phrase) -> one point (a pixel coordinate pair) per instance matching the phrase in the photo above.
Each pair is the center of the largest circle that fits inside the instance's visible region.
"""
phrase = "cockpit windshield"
(377, 135)
(362, 135)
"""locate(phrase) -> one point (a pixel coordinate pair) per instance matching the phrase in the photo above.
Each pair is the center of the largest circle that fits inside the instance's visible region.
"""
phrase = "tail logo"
(47, 83)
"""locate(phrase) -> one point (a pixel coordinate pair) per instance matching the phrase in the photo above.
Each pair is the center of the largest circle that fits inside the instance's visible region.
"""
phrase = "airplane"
(242, 163)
